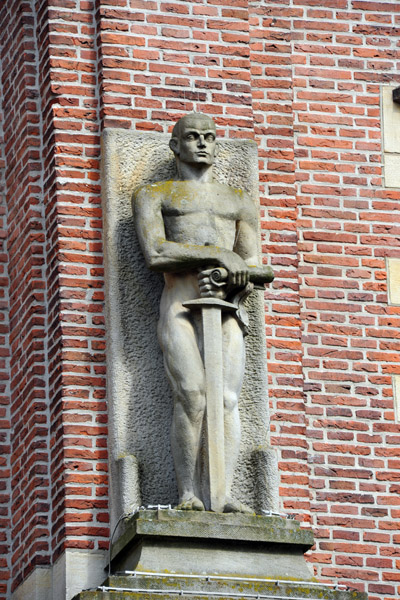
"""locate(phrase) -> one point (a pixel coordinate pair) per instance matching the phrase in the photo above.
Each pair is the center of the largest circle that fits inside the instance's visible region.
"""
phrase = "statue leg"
(234, 364)
(185, 371)
(234, 359)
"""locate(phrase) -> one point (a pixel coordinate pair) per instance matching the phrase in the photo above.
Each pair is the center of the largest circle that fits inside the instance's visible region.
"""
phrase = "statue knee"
(193, 401)
(230, 401)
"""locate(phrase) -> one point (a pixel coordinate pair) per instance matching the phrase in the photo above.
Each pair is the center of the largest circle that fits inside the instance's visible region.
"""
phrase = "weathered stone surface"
(214, 544)
(393, 274)
(140, 401)
(208, 525)
(166, 553)
(390, 137)
(167, 587)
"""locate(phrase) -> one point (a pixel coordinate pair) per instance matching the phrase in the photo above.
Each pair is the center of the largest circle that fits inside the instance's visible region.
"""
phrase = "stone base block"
(206, 543)
(167, 587)
(202, 555)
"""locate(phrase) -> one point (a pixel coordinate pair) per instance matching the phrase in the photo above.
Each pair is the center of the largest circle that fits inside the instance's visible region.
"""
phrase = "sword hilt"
(259, 276)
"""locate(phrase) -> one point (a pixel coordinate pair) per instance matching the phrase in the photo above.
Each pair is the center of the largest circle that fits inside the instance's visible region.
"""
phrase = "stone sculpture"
(203, 236)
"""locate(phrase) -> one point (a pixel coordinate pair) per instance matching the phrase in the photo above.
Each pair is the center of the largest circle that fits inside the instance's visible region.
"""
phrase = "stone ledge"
(165, 553)
(167, 588)
(209, 525)
(190, 542)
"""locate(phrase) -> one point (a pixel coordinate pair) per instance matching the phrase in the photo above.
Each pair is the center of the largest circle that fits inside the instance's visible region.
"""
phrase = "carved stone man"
(186, 228)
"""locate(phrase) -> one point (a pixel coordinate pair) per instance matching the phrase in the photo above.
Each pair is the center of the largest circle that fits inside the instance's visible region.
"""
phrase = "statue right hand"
(208, 287)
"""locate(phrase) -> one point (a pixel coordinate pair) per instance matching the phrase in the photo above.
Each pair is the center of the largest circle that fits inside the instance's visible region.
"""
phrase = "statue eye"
(210, 137)
(190, 136)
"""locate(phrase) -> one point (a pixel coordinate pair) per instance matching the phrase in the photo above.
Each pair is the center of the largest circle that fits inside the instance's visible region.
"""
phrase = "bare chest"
(201, 214)
(186, 198)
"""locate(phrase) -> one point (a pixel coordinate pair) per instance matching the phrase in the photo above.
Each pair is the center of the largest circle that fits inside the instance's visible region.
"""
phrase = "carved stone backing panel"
(139, 397)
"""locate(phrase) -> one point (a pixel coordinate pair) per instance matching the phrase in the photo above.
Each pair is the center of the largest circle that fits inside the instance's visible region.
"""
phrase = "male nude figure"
(186, 227)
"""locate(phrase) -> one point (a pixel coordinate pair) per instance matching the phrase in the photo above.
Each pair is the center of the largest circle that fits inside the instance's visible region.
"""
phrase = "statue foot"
(234, 506)
(192, 503)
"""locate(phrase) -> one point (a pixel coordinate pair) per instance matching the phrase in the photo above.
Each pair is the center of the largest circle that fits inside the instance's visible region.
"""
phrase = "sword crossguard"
(200, 303)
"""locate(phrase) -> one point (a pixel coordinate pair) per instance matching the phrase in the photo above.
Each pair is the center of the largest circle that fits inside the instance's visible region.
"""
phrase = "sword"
(211, 312)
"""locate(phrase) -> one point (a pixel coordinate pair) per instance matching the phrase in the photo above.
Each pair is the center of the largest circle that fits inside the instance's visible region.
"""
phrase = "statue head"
(193, 140)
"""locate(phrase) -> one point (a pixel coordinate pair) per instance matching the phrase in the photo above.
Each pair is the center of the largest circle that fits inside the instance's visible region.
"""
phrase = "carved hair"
(179, 124)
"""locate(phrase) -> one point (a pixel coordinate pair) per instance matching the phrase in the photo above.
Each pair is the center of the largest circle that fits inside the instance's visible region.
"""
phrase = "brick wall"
(29, 465)
(347, 224)
(301, 77)
(77, 383)
(272, 70)
(4, 374)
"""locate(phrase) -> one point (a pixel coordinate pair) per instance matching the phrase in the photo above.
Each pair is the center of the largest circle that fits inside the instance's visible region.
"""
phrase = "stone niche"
(139, 397)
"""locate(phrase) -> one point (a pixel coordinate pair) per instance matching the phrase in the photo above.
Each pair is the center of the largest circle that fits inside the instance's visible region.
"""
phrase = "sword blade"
(213, 364)
(211, 311)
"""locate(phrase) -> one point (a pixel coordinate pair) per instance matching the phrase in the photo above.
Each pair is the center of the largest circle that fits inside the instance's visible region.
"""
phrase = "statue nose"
(201, 140)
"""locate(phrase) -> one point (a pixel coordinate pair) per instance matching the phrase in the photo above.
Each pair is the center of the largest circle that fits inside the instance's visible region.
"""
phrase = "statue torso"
(195, 213)
(200, 213)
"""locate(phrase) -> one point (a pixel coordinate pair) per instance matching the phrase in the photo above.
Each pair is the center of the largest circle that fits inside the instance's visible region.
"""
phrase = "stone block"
(165, 554)
(392, 169)
(393, 276)
(391, 120)
(214, 544)
(390, 137)
(169, 587)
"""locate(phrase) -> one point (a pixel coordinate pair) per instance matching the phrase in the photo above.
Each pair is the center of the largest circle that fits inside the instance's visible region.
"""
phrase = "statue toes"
(234, 506)
(193, 503)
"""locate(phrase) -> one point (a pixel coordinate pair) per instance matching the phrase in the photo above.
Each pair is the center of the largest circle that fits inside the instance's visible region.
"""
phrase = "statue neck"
(200, 173)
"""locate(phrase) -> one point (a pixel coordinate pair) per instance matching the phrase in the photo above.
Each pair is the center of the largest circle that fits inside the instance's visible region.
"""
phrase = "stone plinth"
(209, 543)
(170, 588)
(168, 553)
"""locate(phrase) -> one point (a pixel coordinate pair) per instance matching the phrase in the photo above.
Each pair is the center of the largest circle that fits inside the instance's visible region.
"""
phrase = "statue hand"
(210, 288)
(238, 271)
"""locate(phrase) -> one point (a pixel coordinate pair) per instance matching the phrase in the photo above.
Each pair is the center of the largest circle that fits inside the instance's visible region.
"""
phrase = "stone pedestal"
(166, 553)
(206, 543)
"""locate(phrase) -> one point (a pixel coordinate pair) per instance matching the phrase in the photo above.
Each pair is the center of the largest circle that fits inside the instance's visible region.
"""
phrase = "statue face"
(197, 140)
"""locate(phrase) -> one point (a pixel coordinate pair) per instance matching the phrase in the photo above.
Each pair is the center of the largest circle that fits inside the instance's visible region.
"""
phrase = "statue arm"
(247, 251)
(163, 255)
(246, 242)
